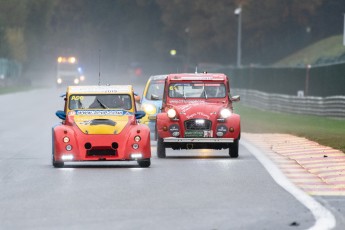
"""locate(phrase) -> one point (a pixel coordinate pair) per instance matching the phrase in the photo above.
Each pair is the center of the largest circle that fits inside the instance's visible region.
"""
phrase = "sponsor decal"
(185, 108)
(103, 112)
(186, 101)
(174, 128)
(199, 114)
(85, 122)
(71, 113)
(222, 129)
(100, 89)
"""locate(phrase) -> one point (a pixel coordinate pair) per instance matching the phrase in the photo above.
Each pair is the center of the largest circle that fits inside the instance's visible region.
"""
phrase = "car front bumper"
(198, 140)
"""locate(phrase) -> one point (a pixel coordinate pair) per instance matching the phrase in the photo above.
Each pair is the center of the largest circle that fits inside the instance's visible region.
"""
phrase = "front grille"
(197, 124)
(100, 152)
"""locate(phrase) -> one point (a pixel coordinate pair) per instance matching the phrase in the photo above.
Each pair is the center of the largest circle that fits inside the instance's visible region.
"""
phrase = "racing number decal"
(77, 98)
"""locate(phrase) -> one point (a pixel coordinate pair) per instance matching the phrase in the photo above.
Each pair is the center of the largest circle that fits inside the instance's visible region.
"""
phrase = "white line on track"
(324, 219)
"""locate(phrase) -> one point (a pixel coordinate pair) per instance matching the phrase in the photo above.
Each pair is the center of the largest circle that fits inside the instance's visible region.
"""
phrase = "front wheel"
(160, 148)
(233, 149)
(57, 164)
(144, 163)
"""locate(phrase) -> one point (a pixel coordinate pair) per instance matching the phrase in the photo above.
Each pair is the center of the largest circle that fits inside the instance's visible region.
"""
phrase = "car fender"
(59, 147)
(235, 122)
(162, 120)
(144, 144)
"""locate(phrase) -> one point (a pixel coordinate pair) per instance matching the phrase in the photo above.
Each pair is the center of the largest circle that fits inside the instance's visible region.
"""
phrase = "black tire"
(160, 148)
(155, 134)
(57, 164)
(233, 149)
(144, 163)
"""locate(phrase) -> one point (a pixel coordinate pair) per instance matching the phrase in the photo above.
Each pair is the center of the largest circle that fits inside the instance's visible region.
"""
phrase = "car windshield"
(197, 90)
(155, 90)
(97, 101)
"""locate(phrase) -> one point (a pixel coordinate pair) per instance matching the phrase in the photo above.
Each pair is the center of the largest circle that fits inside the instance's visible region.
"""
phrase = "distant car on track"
(68, 71)
(197, 113)
(99, 123)
(151, 101)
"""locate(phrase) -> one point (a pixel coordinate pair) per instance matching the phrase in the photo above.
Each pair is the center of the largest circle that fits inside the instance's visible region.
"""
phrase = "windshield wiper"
(103, 105)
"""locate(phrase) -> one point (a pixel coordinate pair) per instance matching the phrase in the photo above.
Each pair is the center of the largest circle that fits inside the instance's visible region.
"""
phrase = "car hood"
(198, 110)
(101, 124)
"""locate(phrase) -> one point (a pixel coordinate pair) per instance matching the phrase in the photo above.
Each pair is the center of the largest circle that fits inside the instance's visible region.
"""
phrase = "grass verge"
(326, 131)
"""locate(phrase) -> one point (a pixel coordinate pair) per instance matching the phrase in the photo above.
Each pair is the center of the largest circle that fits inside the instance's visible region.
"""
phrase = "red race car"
(99, 123)
(197, 113)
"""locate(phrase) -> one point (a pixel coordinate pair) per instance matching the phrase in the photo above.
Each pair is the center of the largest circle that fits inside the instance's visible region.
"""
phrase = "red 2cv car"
(100, 123)
(197, 113)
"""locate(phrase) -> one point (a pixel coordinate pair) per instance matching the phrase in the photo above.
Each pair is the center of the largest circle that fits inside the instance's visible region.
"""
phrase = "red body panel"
(124, 140)
(207, 109)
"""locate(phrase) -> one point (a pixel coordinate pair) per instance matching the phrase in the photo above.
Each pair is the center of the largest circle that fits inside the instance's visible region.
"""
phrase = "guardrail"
(333, 106)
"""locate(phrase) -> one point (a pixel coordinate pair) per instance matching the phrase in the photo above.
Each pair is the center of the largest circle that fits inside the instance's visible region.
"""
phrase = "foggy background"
(130, 40)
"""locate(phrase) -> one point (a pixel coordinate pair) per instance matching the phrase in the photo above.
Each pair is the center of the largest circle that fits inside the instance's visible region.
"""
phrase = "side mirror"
(154, 97)
(61, 114)
(139, 114)
(235, 98)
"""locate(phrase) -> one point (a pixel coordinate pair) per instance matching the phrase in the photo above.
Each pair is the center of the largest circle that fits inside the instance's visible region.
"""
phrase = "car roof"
(158, 77)
(197, 76)
(100, 89)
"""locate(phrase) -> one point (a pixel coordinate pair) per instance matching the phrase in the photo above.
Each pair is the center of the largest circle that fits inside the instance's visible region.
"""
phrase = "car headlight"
(82, 78)
(149, 108)
(171, 113)
(76, 81)
(59, 80)
(225, 113)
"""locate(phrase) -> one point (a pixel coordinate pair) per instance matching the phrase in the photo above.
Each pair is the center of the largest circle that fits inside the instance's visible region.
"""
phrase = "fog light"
(59, 80)
(68, 147)
(135, 146)
(67, 157)
(175, 134)
(220, 134)
(137, 138)
(76, 81)
(66, 139)
(231, 129)
(136, 155)
(165, 128)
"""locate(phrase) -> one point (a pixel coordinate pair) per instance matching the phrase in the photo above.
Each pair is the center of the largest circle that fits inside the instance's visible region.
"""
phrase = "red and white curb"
(317, 169)
(288, 173)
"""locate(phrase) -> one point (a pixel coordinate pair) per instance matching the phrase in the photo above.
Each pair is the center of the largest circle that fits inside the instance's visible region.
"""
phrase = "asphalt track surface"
(196, 189)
